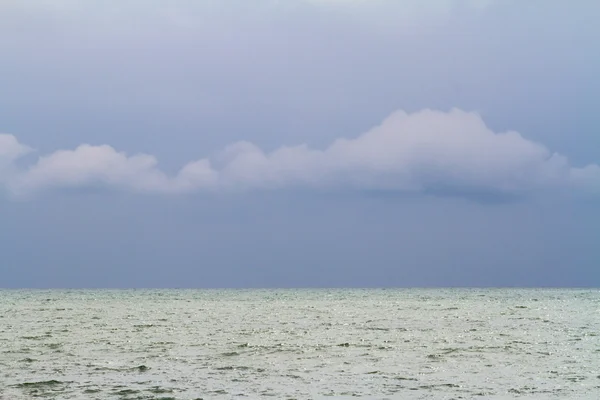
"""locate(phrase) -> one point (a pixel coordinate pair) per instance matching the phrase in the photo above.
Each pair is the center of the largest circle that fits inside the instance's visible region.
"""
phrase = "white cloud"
(422, 151)
(10, 151)
(89, 165)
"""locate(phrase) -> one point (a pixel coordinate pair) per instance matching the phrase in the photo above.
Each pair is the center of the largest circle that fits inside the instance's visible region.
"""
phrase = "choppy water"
(300, 344)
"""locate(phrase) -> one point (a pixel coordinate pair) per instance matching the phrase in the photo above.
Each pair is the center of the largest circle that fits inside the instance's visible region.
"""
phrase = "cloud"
(428, 151)
(10, 151)
(88, 165)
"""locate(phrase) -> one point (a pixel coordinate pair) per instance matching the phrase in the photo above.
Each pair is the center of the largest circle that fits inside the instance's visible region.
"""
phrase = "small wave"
(403, 378)
(30, 385)
(41, 337)
(126, 392)
(237, 368)
(159, 390)
(139, 368)
(441, 385)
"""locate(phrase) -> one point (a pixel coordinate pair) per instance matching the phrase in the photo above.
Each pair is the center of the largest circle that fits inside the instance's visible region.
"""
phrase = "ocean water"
(300, 344)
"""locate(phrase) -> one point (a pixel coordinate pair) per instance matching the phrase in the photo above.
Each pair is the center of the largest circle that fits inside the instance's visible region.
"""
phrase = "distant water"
(300, 344)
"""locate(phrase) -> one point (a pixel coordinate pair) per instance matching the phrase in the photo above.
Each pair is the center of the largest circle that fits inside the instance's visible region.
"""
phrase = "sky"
(299, 143)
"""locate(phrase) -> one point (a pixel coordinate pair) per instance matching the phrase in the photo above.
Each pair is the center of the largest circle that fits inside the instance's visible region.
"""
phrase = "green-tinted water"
(377, 344)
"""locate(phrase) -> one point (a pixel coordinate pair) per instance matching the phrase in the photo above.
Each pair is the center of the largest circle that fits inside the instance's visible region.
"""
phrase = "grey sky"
(155, 143)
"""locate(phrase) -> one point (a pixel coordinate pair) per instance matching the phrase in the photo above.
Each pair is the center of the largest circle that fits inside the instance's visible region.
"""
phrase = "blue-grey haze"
(181, 80)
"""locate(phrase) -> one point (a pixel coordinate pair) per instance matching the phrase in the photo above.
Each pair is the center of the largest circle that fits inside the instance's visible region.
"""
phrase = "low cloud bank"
(419, 152)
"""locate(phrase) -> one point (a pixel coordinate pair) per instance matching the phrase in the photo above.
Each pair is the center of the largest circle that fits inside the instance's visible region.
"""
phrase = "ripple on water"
(29, 385)
(300, 344)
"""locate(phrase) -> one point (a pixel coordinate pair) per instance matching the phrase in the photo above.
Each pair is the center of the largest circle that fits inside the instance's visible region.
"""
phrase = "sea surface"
(300, 344)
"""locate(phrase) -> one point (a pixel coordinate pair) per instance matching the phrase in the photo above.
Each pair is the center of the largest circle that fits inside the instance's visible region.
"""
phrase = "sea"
(300, 344)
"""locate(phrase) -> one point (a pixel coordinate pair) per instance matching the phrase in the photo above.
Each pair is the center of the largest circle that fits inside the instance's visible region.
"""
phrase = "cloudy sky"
(299, 143)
